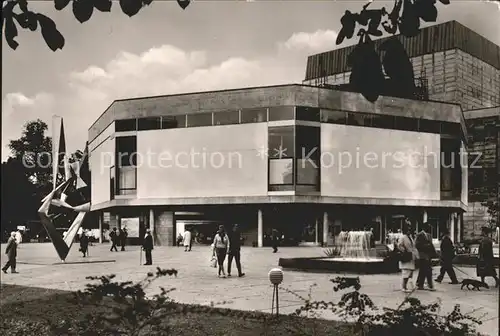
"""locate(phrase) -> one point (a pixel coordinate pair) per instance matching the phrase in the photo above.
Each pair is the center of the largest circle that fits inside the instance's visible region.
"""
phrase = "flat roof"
(482, 113)
(269, 96)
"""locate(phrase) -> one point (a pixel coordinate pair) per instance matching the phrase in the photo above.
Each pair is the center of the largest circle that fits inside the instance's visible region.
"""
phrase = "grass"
(24, 310)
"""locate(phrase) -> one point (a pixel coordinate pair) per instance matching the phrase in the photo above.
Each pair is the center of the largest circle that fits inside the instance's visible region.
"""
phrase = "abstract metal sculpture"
(71, 194)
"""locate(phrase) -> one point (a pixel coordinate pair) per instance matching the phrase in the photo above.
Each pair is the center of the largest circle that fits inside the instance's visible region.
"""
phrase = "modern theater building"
(308, 161)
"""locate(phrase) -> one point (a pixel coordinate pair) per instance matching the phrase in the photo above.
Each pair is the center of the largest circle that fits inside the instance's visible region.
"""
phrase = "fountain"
(352, 254)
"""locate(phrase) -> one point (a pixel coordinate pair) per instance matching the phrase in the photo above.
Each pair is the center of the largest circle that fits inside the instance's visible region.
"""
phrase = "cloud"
(164, 69)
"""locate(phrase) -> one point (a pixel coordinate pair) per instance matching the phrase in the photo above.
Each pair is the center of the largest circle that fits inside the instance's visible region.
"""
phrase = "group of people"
(418, 248)
(118, 237)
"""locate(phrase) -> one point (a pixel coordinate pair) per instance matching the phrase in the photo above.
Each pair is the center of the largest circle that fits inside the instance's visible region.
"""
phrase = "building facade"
(459, 65)
(305, 160)
(484, 166)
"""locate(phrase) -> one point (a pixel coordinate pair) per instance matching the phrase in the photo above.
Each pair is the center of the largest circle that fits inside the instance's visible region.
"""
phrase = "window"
(281, 113)
(175, 121)
(307, 172)
(307, 113)
(308, 152)
(112, 183)
(281, 142)
(383, 121)
(406, 124)
(451, 169)
(429, 126)
(126, 125)
(126, 151)
(450, 128)
(127, 181)
(358, 119)
(198, 120)
(253, 115)
(152, 123)
(334, 117)
(281, 171)
(227, 118)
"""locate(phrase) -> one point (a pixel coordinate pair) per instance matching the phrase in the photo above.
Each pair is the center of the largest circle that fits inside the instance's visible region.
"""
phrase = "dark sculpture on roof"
(367, 75)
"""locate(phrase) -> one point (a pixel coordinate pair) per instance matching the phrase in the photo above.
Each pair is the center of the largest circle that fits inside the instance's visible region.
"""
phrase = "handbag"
(213, 262)
(405, 256)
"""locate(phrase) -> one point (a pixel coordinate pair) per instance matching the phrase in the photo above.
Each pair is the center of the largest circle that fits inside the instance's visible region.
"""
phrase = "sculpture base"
(344, 265)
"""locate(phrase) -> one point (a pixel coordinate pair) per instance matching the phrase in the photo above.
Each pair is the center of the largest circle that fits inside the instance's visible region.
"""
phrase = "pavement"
(197, 282)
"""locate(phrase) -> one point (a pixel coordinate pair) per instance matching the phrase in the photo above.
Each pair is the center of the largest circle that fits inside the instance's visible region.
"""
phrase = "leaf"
(27, 20)
(60, 4)
(131, 7)
(183, 3)
(51, 35)
(83, 9)
(11, 32)
(147, 2)
(103, 5)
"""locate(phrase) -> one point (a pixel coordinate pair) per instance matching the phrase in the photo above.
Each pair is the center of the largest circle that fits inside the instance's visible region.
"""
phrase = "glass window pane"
(359, 119)
(198, 120)
(334, 117)
(126, 178)
(152, 123)
(126, 148)
(281, 142)
(253, 115)
(307, 113)
(174, 121)
(281, 113)
(126, 125)
(281, 171)
(308, 139)
(307, 172)
(429, 126)
(382, 121)
(450, 128)
(227, 118)
(406, 124)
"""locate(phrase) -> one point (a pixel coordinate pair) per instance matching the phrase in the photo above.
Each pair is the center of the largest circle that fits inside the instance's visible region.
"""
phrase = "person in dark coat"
(447, 255)
(113, 236)
(123, 238)
(147, 246)
(234, 251)
(426, 252)
(84, 243)
(486, 262)
(11, 252)
(275, 240)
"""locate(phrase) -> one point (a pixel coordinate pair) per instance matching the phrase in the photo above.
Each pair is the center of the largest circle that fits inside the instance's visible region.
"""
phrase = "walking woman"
(408, 254)
(486, 263)
(221, 248)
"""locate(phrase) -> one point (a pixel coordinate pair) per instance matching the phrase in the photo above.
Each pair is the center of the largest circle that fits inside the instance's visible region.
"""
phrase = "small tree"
(493, 210)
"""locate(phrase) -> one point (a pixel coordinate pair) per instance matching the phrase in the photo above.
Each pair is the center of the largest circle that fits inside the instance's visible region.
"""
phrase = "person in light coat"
(187, 240)
(19, 237)
(406, 243)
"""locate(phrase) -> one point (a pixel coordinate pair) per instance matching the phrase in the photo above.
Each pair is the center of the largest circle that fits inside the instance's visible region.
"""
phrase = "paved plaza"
(198, 283)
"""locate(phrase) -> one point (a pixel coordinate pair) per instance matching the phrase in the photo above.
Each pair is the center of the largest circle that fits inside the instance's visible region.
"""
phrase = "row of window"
(289, 113)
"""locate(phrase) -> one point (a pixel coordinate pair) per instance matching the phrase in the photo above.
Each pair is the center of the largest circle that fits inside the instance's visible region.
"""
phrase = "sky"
(165, 50)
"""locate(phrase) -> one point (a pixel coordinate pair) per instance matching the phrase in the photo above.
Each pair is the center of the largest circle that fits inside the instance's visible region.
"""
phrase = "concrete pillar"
(452, 226)
(316, 232)
(326, 227)
(164, 228)
(424, 217)
(459, 228)
(100, 219)
(152, 224)
(260, 229)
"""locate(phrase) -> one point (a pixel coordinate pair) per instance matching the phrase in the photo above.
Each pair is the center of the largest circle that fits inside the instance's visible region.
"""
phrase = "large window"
(126, 168)
(227, 118)
(359, 119)
(334, 117)
(198, 120)
(307, 113)
(174, 121)
(281, 113)
(451, 169)
(112, 183)
(253, 115)
(150, 123)
(126, 125)
(308, 153)
(281, 158)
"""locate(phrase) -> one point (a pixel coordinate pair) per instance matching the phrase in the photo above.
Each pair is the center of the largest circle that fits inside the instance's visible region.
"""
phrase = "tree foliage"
(367, 75)
(16, 13)
(493, 210)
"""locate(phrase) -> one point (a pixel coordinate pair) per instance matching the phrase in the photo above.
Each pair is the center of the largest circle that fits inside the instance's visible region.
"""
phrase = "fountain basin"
(344, 265)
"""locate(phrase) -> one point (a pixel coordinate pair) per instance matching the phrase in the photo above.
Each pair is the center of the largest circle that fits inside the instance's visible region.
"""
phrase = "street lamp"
(276, 278)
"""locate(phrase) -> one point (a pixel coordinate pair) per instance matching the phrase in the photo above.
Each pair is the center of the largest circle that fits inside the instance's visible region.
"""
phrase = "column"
(260, 229)
(452, 226)
(325, 228)
(316, 233)
(152, 224)
(459, 228)
(100, 220)
(164, 229)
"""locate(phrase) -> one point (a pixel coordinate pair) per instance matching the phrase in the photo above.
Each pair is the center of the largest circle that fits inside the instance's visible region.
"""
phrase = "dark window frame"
(177, 119)
(148, 127)
(243, 120)
(124, 121)
(233, 112)
(353, 117)
(194, 115)
(306, 113)
(283, 109)
(324, 117)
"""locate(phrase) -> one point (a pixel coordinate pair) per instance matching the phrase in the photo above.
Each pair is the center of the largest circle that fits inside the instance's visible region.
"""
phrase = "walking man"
(275, 240)
(187, 240)
(147, 246)
(114, 240)
(234, 251)
(84, 243)
(447, 255)
(426, 252)
(123, 238)
(11, 252)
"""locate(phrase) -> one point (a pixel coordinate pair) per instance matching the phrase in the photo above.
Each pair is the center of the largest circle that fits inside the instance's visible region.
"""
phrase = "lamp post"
(276, 278)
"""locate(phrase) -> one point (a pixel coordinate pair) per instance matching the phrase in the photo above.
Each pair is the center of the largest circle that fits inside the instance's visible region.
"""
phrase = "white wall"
(464, 197)
(170, 166)
(101, 159)
(383, 164)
